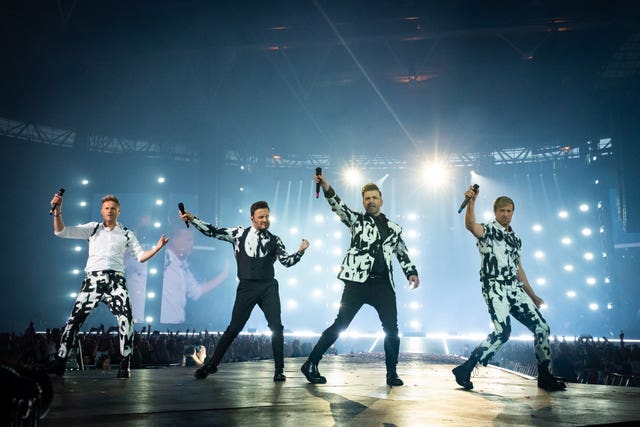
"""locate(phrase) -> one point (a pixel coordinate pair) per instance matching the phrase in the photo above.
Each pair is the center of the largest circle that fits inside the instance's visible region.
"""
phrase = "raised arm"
(470, 213)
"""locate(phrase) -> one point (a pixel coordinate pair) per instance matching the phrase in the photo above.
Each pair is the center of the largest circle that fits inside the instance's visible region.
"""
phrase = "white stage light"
(149, 319)
(593, 306)
(77, 248)
(588, 256)
(414, 305)
(541, 281)
(610, 306)
(73, 295)
(159, 202)
(563, 214)
(435, 174)
(157, 224)
(153, 270)
(337, 234)
(586, 231)
(83, 204)
(566, 241)
(293, 282)
(584, 207)
(537, 228)
(538, 254)
(412, 217)
(591, 281)
(316, 293)
(241, 189)
(319, 218)
(336, 251)
(352, 176)
(412, 234)
(568, 267)
(292, 304)
(151, 295)
(571, 294)
(293, 231)
(488, 215)
(161, 180)
(607, 280)
(317, 268)
(336, 305)
(85, 182)
(75, 271)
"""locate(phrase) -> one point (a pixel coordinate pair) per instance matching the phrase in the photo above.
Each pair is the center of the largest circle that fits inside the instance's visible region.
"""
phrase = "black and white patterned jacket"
(365, 238)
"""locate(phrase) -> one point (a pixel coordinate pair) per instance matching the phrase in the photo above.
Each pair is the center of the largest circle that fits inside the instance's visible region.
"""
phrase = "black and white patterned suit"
(505, 296)
(367, 281)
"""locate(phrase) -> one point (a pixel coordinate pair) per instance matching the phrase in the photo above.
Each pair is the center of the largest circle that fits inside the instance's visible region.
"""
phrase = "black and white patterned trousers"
(109, 287)
(509, 298)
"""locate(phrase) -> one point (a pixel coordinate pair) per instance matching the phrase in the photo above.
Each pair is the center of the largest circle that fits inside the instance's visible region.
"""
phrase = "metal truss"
(588, 151)
(37, 133)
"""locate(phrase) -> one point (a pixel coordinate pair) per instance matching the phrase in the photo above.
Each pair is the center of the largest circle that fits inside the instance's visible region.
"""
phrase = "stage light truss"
(30, 132)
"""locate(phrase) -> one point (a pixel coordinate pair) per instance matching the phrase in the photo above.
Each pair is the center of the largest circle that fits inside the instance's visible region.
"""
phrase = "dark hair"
(370, 187)
(259, 205)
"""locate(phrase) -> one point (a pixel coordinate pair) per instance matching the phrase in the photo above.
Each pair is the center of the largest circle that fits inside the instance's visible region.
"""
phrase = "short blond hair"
(503, 201)
(111, 198)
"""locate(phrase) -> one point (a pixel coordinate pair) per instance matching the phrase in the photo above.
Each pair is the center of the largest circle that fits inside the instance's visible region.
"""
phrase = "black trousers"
(378, 293)
(264, 294)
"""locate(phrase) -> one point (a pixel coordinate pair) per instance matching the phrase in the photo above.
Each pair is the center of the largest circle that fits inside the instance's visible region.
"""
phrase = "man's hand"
(414, 281)
(303, 246)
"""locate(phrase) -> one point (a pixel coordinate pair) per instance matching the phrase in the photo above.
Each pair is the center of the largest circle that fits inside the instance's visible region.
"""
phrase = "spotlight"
(151, 295)
(159, 202)
(157, 224)
(83, 204)
(537, 228)
(571, 294)
(593, 306)
(161, 180)
(153, 270)
(584, 207)
(352, 176)
(566, 241)
(568, 267)
(591, 281)
(77, 248)
(75, 271)
(73, 295)
(563, 214)
(148, 319)
(538, 254)
(85, 182)
(588, 256)
(586, 231)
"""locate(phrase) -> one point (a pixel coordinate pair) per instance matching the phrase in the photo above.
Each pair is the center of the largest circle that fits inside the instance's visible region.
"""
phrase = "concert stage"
(355, 394)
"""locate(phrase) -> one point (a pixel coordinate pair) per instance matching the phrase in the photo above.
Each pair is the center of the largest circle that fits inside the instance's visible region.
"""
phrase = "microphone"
(466, 198)
(318, 172)
(55, 205)
(181, 209)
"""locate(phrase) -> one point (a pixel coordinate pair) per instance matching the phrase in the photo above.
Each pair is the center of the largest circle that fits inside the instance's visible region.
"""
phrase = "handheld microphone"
(466, 198)
(55, 205)
(318, 172)
(181, 209)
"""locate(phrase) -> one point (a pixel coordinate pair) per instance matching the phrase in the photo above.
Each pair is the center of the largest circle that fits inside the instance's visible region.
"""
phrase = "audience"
(585, 359)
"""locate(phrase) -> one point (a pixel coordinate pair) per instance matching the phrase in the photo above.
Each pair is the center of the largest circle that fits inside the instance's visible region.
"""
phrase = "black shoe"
(463, 376)
(394, 380)
(57, 366)
(279, 377)
(202, 372)
(548, 382)
(311, 373)
(124, 373)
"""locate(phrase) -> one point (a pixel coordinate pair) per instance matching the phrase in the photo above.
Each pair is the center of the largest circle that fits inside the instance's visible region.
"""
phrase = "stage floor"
(355, 394)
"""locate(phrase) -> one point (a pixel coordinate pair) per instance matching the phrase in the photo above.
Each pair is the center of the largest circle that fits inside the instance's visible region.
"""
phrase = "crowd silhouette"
(585, 359)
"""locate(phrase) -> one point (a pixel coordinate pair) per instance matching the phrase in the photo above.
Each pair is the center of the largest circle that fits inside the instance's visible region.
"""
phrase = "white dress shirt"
(106, 246)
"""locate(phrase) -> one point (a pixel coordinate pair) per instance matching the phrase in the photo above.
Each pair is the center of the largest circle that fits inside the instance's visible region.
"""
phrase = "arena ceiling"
(342, 77)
